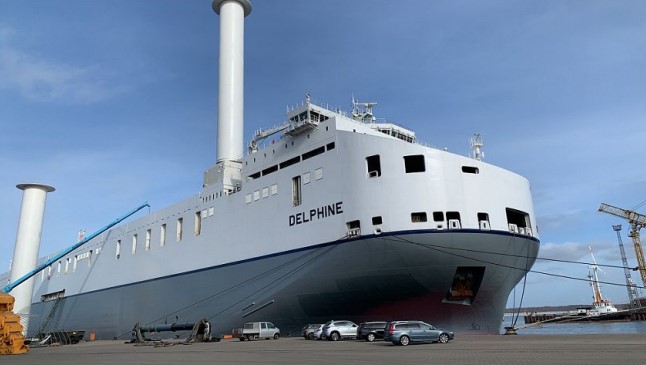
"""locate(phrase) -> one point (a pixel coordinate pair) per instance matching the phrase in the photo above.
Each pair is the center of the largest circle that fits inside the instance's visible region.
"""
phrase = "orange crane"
(637, 221)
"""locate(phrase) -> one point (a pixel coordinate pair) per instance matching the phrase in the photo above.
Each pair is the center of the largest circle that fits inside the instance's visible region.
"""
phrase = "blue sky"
(115, 102)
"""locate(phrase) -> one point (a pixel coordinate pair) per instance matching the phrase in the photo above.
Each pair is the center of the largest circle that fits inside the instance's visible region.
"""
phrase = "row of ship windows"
(292, 161)
(70, 262)
(517, 221)
(412, 164)
(179, 232)
(198, 217)
(297, 181)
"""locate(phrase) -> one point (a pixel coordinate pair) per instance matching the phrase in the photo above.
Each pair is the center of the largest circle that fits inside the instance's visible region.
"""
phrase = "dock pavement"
(488, 349)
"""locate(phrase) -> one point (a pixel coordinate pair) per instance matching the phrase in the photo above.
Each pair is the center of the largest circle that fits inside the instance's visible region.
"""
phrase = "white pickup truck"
(256, 330)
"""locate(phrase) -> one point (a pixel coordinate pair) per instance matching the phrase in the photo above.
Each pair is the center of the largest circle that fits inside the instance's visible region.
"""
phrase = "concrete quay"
(521, 349)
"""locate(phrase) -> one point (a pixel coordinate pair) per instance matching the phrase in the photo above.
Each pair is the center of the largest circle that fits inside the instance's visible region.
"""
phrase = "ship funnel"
(25, 254)
(231, 73)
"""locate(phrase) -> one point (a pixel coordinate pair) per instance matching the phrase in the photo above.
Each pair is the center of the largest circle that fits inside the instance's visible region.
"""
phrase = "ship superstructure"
(330, 215)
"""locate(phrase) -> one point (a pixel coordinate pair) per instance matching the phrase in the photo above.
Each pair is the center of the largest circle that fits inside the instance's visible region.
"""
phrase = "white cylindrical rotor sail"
(25, 254)
(231, 72)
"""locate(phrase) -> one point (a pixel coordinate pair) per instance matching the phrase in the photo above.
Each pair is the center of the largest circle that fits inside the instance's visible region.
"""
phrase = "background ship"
(340, 217)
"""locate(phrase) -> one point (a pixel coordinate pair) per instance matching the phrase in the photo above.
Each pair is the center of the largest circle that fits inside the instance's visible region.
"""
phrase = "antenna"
(476, 147)
(363, 111)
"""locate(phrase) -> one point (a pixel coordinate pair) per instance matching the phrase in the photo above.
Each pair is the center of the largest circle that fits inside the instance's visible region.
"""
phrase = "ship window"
(518, 221)
(269, 170)
(314, 152)
(134, 244)
(180, 223)
(330, 146)
(296, 191)
(198, 223)
(274, 189)
(418, 217)
(354, 228)
(414, 163)
(438, 216)
(265, 192)
(306, 178)
(162, 235)
(318, 173)
(483, 221)
(58, 268)
(290, 162)
(254, 176)
(118, 250)
(256, 195)
(49, 270)
(377, 220)
(247, 198)
(453, 220)
(470, 170)
(67, 265)
(465, 285)
(148, 237)
(374, 166)
(89, 258)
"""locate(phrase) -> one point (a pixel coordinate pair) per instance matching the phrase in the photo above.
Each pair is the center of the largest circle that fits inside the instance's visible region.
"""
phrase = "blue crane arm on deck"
(26, 277)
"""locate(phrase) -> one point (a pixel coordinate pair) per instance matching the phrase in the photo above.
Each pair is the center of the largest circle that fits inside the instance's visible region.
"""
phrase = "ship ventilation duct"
(231, 72)
(25, 254)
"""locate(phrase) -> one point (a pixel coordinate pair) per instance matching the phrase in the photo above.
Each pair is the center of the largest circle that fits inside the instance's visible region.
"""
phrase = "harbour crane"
(637, 221)
(630, 284)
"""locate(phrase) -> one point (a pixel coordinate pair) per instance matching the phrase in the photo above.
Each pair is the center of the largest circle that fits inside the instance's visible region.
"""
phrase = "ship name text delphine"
(318, 213)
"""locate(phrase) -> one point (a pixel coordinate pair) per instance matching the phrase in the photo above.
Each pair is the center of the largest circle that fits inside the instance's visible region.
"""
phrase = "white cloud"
(42, 79)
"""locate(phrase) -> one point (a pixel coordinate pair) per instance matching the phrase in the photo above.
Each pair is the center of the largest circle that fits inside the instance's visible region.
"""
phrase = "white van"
(256, 330)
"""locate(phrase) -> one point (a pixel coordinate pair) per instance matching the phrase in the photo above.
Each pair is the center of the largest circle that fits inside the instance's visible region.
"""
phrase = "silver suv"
(405, 332)
(335, 330)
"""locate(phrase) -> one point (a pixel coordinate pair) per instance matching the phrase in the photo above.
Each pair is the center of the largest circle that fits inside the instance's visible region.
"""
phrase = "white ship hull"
(407, 275)
(340, 217)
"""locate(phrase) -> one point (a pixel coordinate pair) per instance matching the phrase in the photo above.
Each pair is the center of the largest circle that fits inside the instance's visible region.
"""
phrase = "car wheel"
(404, 340)
(276, 336)
(444, 338)
(370, 337)
(334, 336)
(241, 338)
(310, 336)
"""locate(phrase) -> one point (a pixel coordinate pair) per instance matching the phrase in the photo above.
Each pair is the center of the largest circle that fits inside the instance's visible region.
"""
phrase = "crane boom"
(35, 271)
(629, 215)
(637, 221)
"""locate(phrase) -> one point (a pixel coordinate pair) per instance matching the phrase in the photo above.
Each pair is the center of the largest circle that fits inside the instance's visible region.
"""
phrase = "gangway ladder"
(630, 284)
(44, 326)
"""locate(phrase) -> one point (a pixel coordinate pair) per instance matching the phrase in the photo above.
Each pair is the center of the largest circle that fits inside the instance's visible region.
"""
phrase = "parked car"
(405, 332)
(309, 331)
(335, 330)
(371, 330)
(255, 330)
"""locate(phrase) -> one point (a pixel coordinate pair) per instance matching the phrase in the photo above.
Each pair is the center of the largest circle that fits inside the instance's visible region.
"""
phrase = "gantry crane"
(637, 221)
(630, 284)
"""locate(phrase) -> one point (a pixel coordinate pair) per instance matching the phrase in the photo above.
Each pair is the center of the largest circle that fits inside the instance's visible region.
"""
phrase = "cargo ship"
(331, 215)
